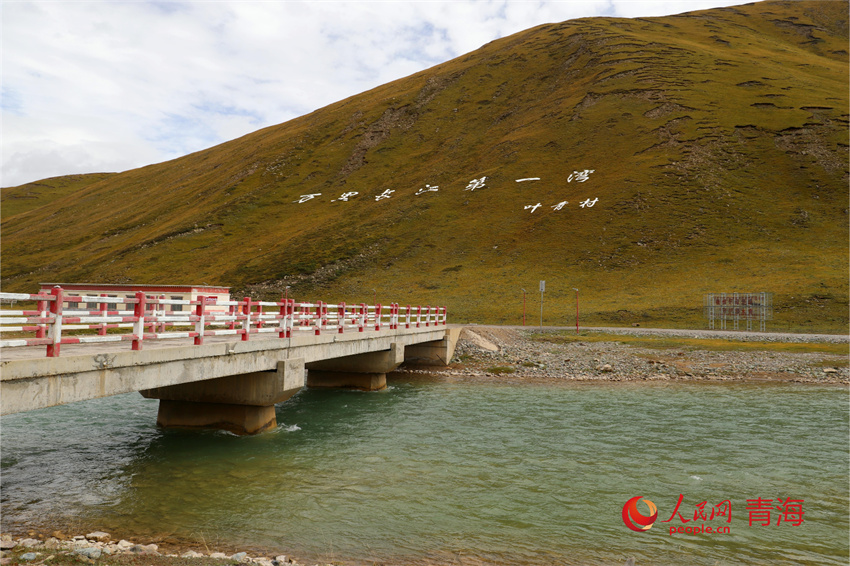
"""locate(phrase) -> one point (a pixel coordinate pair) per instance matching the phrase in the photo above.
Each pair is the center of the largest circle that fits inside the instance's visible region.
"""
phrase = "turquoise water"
(468, 473)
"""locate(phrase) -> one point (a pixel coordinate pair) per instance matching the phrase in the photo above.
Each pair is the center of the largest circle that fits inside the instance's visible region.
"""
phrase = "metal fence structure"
(736, 307)
(48, 323)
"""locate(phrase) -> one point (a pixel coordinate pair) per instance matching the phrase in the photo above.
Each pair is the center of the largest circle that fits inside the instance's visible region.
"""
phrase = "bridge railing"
(51, 324)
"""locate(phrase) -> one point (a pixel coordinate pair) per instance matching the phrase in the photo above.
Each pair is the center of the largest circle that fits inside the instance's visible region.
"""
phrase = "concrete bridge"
(228, 378)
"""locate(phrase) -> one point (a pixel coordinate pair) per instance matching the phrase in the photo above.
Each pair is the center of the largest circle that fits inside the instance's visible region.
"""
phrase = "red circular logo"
(634, 519)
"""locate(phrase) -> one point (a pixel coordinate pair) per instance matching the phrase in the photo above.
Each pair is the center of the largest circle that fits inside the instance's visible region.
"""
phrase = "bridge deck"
(30, 380)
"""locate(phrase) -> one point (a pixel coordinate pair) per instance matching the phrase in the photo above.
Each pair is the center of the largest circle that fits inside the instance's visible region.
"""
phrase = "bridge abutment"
(436, 353)
(360, 371)
(242, 404)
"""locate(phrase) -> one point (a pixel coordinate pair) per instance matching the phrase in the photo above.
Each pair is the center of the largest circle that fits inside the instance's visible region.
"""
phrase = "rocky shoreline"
(97, 545)
(507, 354)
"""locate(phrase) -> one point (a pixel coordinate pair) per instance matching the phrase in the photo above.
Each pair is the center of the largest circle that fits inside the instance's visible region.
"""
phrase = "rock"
(7, 544)
(30, 543)
(239, 556)
(606, 368)
(830, 370)
(99, 536)
(191, 554)
(263, 561)
(219, 555)
(144, 549)
(29, 556)
(280, 560)
(5, 561)
(91, 552)
(52, 542)
(80, 537)
(124, 544)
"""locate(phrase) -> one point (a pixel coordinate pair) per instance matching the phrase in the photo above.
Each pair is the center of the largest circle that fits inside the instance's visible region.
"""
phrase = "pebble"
(92, 552)
(144, 549)
(239, 556)
(29, 556)
(191, 554)
(99, 536)
(30, 543)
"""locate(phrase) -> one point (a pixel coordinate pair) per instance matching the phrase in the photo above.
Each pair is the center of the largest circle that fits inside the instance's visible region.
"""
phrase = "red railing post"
(341, 317)
(259, 316)
(428, 315)
(199, 324)
(231, 311)
(284, 307)
(246, 324)
(161, 312)
(42, 313)
(55, 332)
(139, 324)
(318, 329)
(104, 307)
(378, 312)
(290, 311)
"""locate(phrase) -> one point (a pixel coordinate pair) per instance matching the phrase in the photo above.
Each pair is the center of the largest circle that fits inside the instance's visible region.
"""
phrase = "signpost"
(542, 289)
(576, 290)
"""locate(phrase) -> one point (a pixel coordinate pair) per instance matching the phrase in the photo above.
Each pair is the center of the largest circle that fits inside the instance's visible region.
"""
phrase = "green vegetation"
(718, 140)
(500, 370)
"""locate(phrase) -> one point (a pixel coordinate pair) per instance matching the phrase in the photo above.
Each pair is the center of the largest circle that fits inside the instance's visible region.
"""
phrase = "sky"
(107, 86)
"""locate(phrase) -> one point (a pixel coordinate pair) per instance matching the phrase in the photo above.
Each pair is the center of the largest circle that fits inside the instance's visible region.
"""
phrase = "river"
(456, 472)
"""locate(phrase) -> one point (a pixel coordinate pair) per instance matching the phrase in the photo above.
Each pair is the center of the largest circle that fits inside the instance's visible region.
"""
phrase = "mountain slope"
(717, 142)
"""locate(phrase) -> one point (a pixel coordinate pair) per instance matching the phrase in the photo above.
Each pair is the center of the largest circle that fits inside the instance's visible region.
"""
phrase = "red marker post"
(576, 290)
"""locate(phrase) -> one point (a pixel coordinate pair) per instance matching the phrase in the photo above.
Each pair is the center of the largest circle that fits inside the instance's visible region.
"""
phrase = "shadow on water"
(431, 470)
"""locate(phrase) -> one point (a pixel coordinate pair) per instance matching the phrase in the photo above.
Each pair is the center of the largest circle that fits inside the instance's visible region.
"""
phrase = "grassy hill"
(717, 141)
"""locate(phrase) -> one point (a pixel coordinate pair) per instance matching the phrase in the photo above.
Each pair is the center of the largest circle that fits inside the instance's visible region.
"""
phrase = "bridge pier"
(360, 371)
(242, 404)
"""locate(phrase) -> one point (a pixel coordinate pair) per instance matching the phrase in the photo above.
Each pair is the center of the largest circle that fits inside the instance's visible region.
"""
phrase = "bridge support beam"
(436, 353)
(242, 404)
(360, 371)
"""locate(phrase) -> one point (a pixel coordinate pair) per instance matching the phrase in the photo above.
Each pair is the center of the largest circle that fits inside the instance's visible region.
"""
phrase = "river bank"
(98, 547)
(511, 354)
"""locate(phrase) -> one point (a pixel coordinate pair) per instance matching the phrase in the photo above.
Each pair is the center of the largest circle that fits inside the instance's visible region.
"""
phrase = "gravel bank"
(514, 352)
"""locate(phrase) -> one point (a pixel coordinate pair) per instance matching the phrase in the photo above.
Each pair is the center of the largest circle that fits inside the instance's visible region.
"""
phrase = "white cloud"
(107, 86)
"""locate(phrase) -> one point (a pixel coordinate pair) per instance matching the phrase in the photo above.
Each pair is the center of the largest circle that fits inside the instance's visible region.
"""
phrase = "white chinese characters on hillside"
(481, 183)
